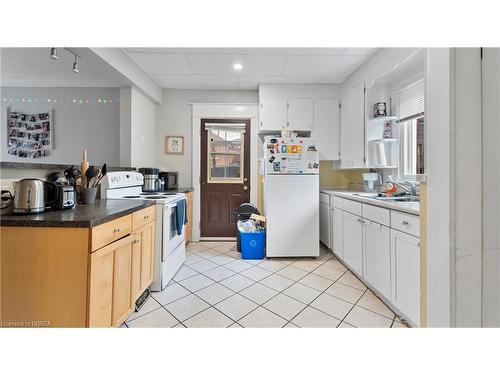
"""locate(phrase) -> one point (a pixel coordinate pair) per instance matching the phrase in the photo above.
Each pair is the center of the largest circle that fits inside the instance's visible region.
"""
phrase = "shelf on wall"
(385, 118)
(383, 140)
(383, 166)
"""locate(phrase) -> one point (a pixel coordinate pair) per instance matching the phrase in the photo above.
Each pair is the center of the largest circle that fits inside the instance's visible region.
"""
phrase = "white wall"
(143, 131)
(491, 187)
(438, 102)
(467, 156)
(173, 117)
(137, 129)
(77, 125)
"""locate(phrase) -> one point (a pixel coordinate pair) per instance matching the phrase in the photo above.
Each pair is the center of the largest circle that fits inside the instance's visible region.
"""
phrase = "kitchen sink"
(402, 198)
(399, 199)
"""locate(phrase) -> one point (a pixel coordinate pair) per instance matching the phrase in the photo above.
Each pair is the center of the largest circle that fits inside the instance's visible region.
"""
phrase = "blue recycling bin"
(253, 245)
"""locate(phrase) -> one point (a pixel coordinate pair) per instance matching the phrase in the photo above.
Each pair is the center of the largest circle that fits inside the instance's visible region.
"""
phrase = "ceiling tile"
(206, 82)
(161, 63)
(322, 65)
(223, 64)
(242, 51)
(252, 82)
(359, 51)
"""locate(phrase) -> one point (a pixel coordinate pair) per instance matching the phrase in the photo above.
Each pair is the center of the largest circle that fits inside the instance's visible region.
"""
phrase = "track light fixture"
(53, 53)
(75, 66)
(53, 56)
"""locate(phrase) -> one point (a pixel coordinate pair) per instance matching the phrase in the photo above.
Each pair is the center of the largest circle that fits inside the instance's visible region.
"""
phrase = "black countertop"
(82, 216)
(181, 190)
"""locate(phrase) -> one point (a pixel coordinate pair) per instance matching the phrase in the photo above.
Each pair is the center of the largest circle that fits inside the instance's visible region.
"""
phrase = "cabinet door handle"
(145, 217)
(404, 222)
(137, 241)
(116, 230)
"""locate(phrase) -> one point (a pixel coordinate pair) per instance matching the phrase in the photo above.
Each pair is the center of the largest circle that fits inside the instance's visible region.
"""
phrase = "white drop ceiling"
(212, 68)
(33, 67)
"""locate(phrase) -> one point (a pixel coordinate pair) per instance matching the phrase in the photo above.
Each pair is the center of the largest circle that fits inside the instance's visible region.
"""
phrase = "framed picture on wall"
(174, 145)
(30, 135)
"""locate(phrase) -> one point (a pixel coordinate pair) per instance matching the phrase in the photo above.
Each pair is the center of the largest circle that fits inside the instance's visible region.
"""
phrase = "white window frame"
(227, 180)
(406, 149)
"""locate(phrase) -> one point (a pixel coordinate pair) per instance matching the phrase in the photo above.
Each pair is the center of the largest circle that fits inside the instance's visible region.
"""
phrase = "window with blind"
(411, 130)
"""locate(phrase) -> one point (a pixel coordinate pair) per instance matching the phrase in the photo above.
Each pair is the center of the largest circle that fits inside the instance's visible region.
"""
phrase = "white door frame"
(236, 111)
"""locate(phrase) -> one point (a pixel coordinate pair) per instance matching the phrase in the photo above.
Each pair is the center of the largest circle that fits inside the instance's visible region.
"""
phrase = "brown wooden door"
(225, 174)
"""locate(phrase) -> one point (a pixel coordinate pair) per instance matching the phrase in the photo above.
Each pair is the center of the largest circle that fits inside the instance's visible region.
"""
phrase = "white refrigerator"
(291, 196)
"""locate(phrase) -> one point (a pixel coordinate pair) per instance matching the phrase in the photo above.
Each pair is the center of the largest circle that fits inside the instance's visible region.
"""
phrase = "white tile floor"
(215, 288)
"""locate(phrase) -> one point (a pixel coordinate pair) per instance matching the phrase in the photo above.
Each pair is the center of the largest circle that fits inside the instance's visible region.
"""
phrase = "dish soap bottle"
(390, 186)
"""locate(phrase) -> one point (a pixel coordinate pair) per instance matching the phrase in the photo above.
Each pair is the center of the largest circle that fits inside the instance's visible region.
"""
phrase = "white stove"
(170, 249)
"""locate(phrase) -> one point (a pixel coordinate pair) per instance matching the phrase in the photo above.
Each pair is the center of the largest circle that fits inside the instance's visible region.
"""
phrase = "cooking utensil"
(104, 170)
(95, 180)
(89, 173)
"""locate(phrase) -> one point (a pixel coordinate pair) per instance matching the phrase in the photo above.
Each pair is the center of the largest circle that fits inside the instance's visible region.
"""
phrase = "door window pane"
(225, 156)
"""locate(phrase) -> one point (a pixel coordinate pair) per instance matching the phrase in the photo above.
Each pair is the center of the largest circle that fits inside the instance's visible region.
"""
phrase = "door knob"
(245, 179)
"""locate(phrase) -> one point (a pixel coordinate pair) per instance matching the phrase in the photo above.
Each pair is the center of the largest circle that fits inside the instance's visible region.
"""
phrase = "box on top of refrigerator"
(290, 155)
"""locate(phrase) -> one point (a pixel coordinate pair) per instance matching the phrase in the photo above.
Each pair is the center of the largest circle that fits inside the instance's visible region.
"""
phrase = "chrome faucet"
(412, 191)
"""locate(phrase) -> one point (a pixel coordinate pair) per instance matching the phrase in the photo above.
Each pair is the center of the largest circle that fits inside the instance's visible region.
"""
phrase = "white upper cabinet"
(273, 113)
(300, 113)
(352, 129)
(327, 128)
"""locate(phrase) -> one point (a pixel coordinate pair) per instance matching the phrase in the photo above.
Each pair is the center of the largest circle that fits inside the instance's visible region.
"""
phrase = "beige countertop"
(408, 207)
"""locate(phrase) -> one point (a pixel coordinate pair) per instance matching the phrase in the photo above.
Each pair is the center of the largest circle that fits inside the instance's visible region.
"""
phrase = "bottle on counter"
(390, 186)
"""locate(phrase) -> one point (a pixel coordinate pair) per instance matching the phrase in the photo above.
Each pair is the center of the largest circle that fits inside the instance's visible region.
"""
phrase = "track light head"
(75, 66)
(53, 53)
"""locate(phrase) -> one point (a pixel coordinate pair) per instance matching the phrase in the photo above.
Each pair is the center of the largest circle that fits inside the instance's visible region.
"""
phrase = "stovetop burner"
(158, 193)
(131, 196)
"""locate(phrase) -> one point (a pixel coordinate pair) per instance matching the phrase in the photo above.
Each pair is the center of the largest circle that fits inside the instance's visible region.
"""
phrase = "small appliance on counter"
(66, 197)
(372, 182)
(169, 180)
(32, 195)
(151, 179)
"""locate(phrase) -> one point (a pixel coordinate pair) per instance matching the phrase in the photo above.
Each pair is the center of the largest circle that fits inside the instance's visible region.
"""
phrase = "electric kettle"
(32, 195)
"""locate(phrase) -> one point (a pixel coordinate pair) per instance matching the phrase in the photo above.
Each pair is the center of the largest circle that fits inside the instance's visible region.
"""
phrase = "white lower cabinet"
(352, 226)
(405, 270)
(336, 232)
(377, 256)
(324, 224)
(384, 257)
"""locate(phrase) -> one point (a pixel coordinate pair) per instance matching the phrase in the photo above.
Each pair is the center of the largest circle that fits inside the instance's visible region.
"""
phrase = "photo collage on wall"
(29, 135)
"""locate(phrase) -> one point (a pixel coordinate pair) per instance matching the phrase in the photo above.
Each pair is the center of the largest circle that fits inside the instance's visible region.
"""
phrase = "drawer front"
(324, 198)
(405, 223)
(337, 202)
(143, 217)
(352, 207)
(377, 214)
(111, 231)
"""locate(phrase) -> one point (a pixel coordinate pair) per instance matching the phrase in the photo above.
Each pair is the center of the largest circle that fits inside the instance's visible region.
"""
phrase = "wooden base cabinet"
(405, 267)
(121, 271)
(76, 277)
(110, 283)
